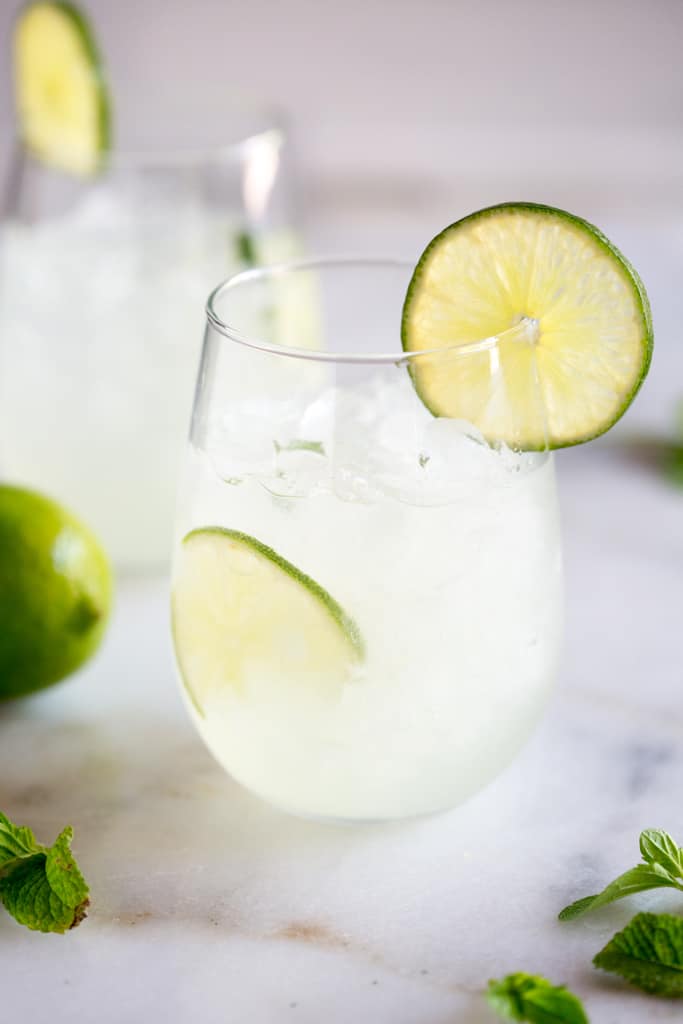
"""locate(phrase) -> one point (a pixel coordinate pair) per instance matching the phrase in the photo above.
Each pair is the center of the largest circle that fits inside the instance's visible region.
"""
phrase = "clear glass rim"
(517, 332)
(271, 126)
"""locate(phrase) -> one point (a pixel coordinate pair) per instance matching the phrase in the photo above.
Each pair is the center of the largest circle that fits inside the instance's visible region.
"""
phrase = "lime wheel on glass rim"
(569, 315)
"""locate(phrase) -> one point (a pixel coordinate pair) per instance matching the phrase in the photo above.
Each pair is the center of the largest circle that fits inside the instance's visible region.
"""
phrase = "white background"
(409, 92)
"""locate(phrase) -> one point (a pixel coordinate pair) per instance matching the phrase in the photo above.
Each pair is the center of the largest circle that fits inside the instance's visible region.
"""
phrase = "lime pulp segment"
(241, 611)
(568, 316)
(62, 102)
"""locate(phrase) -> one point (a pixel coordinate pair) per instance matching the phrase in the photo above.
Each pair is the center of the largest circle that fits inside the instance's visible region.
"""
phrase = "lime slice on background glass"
(241, 611)
(63, 108)
(571, 315)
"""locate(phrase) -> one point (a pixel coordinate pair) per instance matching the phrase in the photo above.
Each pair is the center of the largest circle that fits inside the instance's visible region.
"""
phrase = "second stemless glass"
(101, 287)
(442, 546)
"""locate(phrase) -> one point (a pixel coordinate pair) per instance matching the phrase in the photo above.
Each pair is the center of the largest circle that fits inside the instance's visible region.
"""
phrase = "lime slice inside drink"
(242, 612)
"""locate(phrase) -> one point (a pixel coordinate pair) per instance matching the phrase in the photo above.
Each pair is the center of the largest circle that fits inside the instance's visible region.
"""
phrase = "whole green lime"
(55, 592)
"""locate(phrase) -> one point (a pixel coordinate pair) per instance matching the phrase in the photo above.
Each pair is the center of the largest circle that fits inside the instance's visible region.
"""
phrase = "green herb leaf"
(674, 465)
(41, 887)
(657, 847)
(674, 462)
(14, 842)
(527, 997)
(245, 248)
(663, 867)
(638, 879)
(27, 896)
(62, 871)
(648, 953)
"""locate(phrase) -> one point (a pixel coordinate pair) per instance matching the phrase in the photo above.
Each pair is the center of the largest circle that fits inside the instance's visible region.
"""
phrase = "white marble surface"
(208, 906)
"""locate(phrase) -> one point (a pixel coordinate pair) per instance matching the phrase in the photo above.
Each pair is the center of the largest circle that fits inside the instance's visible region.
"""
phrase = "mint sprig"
(40, 886)
(648, 953)
(662, 867)
(246, 249)
(528, 997)
(674, 465)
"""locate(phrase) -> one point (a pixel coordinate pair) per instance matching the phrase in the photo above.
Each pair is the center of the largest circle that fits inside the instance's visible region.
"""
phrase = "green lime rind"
(629, 274)
(344, 622)
(334, 609)
(83, 29)
(55, 592)
(94, 55)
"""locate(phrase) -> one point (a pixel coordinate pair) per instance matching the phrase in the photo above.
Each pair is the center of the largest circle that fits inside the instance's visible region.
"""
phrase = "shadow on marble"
(139, 793)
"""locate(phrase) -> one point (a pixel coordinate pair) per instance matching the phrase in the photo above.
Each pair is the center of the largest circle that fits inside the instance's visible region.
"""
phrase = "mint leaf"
(663, 867)
(245, 248)
(27, 896)
(674, 465)
(527, 997)
(648, 953)
(62, 872)
(638, 879)
(15, 842)
(657, 847)
(41, 887)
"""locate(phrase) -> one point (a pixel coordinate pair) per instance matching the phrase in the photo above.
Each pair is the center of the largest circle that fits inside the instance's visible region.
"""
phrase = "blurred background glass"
(102, 285)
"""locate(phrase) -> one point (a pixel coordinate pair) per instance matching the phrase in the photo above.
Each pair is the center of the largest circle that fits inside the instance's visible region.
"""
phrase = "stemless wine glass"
(366, 598)
(101, 286)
